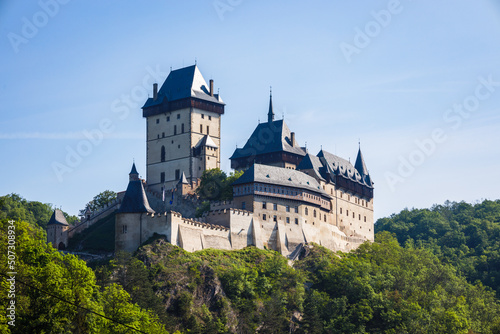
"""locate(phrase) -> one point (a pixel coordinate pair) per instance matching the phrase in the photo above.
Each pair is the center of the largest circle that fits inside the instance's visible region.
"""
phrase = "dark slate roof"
(134, 170)
(313, 163)
(342, 167)
(280, 176)
(269, 137)
(360, 164)
(184, 83)
(57, 218)
(135, 200)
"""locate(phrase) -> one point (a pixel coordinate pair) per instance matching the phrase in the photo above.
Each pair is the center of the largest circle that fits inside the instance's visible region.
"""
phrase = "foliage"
(215, 185)
(15, 207)
(385, 288)
(53, 291)
(99, 201)
(464, 235)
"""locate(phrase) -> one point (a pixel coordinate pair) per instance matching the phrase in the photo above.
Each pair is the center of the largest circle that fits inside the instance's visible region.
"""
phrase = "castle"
(286, 196)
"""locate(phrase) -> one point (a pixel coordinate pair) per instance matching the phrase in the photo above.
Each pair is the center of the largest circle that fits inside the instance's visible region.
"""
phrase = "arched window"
(314, 213)
(163, 154)
(307, 211)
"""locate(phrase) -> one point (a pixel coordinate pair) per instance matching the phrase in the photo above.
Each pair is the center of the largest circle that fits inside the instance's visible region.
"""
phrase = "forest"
(429, 271)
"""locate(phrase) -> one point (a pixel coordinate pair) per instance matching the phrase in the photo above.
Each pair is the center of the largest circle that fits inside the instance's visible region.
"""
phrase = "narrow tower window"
(163, 154)
(175, 129)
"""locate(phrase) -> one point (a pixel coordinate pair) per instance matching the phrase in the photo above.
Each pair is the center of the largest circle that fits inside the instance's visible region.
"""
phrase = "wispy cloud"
(66, 135)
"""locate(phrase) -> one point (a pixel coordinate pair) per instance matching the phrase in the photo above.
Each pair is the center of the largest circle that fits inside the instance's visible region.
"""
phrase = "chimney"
(211, 87)
(155, 91)
(292, 138)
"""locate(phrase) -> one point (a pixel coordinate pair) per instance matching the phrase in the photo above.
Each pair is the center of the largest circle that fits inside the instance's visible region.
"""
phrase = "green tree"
(99, 201)
(216, 185)
(57, 293)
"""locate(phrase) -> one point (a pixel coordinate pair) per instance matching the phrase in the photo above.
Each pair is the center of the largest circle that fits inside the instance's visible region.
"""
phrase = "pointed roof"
(134, 170)
(184, 83)
(270, 114)
(360, 164)
(342, 167)
(135, 199)
(206, 141)
(313, 163)
(57, 218)
(183, 179)
(269, 137)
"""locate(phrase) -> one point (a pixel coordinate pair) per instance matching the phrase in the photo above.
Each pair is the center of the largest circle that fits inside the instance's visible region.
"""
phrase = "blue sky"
(417, 82)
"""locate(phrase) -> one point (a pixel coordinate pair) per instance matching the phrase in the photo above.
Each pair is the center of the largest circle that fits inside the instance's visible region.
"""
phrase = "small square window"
(209, 118)
(157, 120)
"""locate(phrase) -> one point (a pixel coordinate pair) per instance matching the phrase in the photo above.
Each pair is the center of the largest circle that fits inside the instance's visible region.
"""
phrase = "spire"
(270, 114)
(135, 199)
(360, 164)
(133, 175)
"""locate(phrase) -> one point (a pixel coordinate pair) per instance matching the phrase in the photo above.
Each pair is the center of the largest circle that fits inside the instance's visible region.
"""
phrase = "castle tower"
(183, 126)
(272, 143)
(129, 231)
(57, 230)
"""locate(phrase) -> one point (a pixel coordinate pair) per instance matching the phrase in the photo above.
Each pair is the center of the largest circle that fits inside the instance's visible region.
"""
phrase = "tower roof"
(184, 83)
(360, 164)
(135, 199)
(342, 167)
(57, 218)
(134, 170)
(206, 141)
(269, 137)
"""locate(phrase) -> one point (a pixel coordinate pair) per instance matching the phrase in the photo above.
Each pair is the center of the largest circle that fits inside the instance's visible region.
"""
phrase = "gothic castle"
(286, 196)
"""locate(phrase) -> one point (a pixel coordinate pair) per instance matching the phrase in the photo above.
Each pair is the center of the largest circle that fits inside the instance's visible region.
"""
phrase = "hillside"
(464, 235)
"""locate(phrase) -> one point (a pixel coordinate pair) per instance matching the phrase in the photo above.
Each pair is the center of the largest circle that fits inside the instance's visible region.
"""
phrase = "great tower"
(183, 129)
